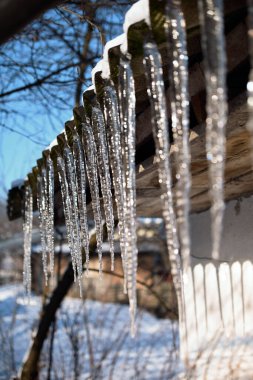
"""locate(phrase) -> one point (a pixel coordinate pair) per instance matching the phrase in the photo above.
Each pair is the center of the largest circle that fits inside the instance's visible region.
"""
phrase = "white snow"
(118, 41)
(99, 67)
(90, 88)
(138, 12)
(103, 64)
(151, 355)
(55, 141)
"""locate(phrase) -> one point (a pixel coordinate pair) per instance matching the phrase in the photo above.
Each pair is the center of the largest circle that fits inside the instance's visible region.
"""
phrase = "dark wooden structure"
(15, 14)
(238, 176)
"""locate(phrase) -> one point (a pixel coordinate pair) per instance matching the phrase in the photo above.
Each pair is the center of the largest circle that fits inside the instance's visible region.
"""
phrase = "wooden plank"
(16, 14)
(237, 165)
(238, 174)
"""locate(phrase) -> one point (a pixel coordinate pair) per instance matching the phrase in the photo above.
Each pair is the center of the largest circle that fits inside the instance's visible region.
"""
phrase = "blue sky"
(19, 154)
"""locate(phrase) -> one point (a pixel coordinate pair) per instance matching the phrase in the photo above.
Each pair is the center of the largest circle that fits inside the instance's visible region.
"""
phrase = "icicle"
(45, 201)
(156, 94)
(27, 228)
(180, 123)
(50, 212)
(91, 167)
(104, 173)
(81, 185)
(127, 112)
(67, 209)
(115, 153)
(213, 46)
(73, 195)
(250, 82)
(42, 207)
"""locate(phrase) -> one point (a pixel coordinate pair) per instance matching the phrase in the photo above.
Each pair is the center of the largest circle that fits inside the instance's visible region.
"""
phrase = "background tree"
(46, 67)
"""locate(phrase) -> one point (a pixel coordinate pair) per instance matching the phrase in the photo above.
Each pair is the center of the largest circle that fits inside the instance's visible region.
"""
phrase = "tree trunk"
(29, 370)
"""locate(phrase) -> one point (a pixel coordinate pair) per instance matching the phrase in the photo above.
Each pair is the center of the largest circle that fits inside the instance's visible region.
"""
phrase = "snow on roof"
(90, 88)
(96, 69)
(112, 43)
(138, 12)
(118, 41)
(55, 142)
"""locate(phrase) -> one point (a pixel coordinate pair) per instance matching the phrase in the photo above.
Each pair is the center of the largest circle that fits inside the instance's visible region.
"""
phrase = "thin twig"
(142, 283)
(22, 134)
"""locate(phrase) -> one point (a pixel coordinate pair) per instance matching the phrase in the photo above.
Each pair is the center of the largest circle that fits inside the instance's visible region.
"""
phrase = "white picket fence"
(217, 331)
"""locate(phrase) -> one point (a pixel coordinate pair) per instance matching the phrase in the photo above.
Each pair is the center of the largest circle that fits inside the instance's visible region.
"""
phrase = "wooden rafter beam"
(16, 14)
(148, 191)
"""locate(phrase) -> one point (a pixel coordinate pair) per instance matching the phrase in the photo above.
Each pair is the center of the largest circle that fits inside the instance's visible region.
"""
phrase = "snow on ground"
(92, 340)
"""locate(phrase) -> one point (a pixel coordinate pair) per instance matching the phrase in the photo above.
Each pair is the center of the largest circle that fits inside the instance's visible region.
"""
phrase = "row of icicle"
(108, 143)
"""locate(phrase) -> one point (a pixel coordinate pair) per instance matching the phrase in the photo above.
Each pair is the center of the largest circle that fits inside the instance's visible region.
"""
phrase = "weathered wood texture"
(238, 174)
(238, 177)
(16, 14)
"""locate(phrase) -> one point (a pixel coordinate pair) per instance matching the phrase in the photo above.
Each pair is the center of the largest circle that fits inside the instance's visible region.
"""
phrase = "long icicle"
(127, 113)
(27, 228)
(250, 82)
(42, 207)
(91, 166)
(115, 154)
(156, 92)
(67, 210)
(104, 174)
(50, 212)
(213, 46)
(180, 122)
(154, 75)
(72, 186)
(81, 186)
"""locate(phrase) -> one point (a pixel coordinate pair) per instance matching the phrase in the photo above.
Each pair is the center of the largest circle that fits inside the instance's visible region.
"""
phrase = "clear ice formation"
(250, 82)
(66, 172)
(50, 212)
(45, 201)
(67, 209)
(156, 92)
(81, 188)
(27, 228)
(91, 168)
(74, 215)
(42, 207)
(127, 115)
(115, 154)
(179, 99)
(104, 174)
(213, 46)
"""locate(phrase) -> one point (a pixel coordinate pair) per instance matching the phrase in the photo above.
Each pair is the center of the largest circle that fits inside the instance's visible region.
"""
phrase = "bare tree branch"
(23, 135)
(37, 82)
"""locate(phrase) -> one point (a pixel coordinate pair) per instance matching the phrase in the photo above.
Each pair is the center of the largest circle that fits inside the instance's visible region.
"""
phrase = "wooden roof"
(238, 175)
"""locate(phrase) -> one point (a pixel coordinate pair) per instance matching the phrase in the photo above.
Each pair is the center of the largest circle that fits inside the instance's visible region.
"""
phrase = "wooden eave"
(238, 174)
